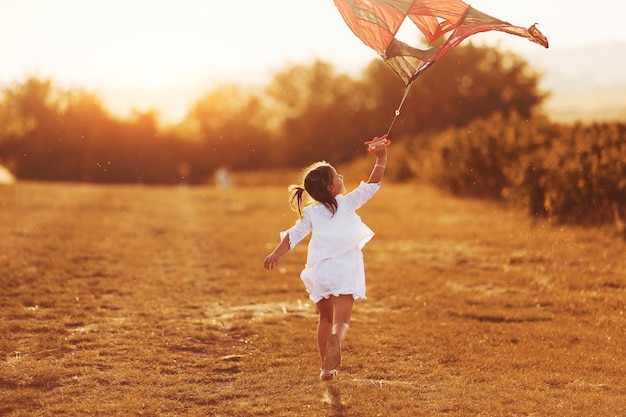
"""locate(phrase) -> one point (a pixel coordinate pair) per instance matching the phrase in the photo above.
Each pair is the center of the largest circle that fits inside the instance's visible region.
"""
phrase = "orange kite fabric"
(376, 23)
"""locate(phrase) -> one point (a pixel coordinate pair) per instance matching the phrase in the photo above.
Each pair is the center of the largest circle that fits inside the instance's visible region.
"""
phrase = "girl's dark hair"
(317, 178)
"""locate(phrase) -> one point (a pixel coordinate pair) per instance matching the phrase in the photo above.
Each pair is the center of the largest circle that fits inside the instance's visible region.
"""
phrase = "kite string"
(397, 112)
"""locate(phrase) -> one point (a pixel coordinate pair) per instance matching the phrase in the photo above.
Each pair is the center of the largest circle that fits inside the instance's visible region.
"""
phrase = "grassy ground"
(130, 300)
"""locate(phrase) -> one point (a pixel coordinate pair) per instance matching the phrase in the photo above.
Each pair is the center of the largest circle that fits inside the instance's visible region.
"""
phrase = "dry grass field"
(152, 301)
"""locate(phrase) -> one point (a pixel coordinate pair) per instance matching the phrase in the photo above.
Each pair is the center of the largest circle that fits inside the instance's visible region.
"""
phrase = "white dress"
(335, 261)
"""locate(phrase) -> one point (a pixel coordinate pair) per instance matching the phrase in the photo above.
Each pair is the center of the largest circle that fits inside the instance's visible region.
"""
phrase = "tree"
(233, 127)
(324, 115)
(32, 112)
(82, 134)
(472, 82)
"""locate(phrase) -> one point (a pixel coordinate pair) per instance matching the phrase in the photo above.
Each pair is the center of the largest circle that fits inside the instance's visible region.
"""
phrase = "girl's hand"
(271, 261)
(377, 142)
(380, 151)
(381, 161)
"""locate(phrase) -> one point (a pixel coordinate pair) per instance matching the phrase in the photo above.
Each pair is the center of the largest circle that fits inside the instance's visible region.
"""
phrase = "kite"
(376, 23)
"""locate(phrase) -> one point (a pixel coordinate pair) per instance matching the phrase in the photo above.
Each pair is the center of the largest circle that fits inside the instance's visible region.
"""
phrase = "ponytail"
(296, 194)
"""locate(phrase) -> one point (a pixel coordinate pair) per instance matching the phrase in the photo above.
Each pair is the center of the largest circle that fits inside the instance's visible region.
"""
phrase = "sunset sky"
(163, 54)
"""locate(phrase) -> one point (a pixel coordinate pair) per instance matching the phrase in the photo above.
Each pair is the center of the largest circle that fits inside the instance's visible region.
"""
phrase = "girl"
(334, 274)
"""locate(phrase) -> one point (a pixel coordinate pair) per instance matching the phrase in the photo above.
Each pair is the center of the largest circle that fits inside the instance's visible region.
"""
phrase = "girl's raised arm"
(379, 167)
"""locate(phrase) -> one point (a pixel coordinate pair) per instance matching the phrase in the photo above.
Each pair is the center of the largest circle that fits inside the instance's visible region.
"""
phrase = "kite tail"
(397, 112)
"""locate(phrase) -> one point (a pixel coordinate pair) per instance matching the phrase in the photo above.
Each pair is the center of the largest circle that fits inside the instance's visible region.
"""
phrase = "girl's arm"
(272, 259)
(379, 167)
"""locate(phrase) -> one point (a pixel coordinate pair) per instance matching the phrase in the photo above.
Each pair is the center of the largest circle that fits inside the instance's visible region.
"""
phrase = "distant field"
(152, 301)
(601, 104)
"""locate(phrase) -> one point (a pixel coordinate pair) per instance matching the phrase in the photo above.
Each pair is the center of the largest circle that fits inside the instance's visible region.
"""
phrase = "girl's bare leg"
(326, 310)
(341, 317)
(334, 320)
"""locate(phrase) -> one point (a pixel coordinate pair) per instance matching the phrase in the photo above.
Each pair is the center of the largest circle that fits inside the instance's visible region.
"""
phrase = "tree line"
(565, 173)
(306, 112)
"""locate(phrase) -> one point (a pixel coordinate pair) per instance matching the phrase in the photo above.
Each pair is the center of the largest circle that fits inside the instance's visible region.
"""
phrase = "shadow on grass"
(332, 396)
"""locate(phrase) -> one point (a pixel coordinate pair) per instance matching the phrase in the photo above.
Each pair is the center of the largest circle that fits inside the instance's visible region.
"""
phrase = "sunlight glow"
(6, 178)
(157, 83)
(174, 50)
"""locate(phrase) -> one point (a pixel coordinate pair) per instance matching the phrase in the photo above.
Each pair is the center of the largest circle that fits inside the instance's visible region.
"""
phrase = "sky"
(164, 54)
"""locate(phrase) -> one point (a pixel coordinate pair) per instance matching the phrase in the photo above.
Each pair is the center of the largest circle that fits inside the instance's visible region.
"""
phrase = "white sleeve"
(361, 194)
(298, 231)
